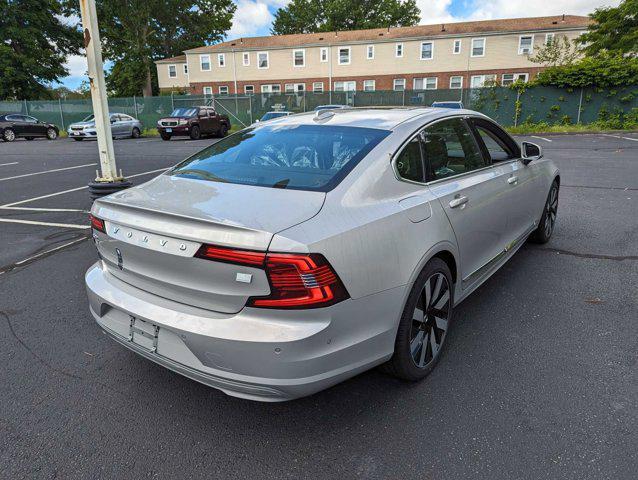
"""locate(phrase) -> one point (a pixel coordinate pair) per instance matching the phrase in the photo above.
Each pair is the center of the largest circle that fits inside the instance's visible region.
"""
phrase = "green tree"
(309, 16)
(614, 30)
(560, 51)
(135, 33)
(35, 41)
(606, 70)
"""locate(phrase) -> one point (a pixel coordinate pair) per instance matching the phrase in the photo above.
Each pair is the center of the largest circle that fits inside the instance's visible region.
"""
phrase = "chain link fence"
(508, 106)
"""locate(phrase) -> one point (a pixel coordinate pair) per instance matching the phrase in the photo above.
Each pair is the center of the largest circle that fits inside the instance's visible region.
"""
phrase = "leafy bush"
(603, 71)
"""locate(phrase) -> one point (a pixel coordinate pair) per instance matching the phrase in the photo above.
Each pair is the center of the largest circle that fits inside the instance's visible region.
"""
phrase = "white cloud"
(76, 64)
(253, 17)
(435, 11)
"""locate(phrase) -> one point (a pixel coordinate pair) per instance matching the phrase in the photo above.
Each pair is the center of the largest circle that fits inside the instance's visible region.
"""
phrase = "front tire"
(424, 324)
(165, 137)
(196, 133)
(9, 135)
(52, 134)
(223, 130)
(136, 133)
(545, 228)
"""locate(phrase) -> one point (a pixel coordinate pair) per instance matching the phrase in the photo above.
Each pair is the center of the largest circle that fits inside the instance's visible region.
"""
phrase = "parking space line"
(46, 224)
(5, 164)
(45, 253)
(47, 171)
(618, 136)
(77, 189)
(36, 209)
(541, 138)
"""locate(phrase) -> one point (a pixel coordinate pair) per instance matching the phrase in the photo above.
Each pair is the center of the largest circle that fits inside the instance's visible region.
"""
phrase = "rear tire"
(424, 324)
(8, 135)
(196, 134)
(52, 134)
(136, 133)
(545, 228)
(165, 137)
(223, 131)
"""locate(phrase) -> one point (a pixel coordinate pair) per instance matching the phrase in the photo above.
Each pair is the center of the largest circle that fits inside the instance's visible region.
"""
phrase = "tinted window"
(304, 157)
(450, 149)
(184, 112)
(498, 144)
(409, 163)
(271, 115)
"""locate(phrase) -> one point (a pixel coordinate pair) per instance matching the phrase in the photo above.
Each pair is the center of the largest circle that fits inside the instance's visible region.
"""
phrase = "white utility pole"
(108, 174)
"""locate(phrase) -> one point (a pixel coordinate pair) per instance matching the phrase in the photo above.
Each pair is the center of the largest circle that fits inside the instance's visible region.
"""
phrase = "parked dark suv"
(14, 125)
(193, 122)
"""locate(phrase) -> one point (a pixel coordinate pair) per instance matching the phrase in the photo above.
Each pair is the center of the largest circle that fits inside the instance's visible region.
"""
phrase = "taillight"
(296, 280)
(97, 223)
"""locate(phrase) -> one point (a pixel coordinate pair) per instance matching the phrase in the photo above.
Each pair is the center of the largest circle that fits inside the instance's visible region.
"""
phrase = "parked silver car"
(290, 256)
(122, 125)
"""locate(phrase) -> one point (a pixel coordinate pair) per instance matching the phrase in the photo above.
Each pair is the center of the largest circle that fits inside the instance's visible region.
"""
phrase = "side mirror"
(112, 120)
(530, 151)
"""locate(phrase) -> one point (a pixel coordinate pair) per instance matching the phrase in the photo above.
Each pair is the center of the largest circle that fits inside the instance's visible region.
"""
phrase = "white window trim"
(221, 60)
(185, 69)
(548, 35)
(421, 51)
(368, 47)
(267, 61)
(374, 85)
(210, 90)
(220, 90)
(245, 59)
(169, 71)
(472, 47)
(531, 46)
(201, 57)
(303, 56)
(339, 55)
(314, 89)
(456, 76)
(321, 52)
(344, 82)
(396, 50)
(514, 75)
(436, 83)
(251, 86)
(394, 84)
(460, 42)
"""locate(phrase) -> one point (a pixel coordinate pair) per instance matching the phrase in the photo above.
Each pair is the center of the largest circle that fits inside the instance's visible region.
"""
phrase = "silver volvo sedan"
(290, 256)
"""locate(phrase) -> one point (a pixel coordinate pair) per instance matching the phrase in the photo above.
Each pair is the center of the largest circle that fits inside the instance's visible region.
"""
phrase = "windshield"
(271, 115)
(184, 112)
(302, 157)
(447, 105)
(89, 118)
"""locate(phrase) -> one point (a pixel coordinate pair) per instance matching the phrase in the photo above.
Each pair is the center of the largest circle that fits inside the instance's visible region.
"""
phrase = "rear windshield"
(271, 115)
(184, 112)
(302, 157)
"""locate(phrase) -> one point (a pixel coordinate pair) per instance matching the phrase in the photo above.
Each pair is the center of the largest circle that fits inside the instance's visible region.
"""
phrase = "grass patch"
(535, 128)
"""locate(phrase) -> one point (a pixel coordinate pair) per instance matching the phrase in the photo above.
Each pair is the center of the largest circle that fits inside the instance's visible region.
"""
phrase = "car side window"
(450, 149)
(409, 163)
(498, 145)
(30, 119)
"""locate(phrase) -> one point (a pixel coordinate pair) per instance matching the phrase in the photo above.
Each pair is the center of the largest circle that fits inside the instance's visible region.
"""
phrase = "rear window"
(271, 115)
(302, 157)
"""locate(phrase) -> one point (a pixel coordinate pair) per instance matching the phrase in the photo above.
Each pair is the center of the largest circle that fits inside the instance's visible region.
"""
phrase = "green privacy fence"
(508, 106)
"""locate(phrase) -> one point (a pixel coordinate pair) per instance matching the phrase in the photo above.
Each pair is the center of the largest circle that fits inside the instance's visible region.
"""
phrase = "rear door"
(214, 121)
(18, 124)
(470, 192)
(33, 127)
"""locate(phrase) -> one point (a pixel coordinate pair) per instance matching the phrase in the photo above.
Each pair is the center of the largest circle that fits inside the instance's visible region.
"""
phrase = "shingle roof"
(460, 28)
(178, 59)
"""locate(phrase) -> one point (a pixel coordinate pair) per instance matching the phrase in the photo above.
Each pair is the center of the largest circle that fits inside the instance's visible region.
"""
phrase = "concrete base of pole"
(101, 189)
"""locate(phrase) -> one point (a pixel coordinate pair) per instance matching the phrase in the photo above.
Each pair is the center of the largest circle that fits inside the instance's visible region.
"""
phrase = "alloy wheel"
(430, 320)
(551, 207)
(9, 135)
(51, 134)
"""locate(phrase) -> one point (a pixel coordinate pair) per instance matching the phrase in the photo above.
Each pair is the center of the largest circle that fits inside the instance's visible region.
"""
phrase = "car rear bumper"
(265, 355)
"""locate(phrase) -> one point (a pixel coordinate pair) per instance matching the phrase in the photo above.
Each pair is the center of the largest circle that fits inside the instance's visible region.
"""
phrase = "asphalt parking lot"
(539, 380)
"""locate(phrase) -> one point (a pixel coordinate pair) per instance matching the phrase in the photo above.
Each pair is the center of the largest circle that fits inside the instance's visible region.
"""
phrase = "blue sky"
(254, 17)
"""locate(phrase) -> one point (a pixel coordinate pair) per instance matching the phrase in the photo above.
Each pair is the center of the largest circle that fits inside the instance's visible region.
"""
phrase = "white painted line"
(35, 209)
(48, 171)
(542, 138)
(29, 200)
(41, 254)
(5, 164)
(618, 136)
(46, 224)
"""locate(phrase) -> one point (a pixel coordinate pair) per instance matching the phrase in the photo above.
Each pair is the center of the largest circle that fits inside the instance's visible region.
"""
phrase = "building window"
(369, 85)
(185, 69)
(246, 59)
(478, 47)
(456, 82)
(480, 81)
(221, 60)
(509, 78)
(427, 51)
(262, 60)
(457, 47)
(208, 91)
(249, 89)
(398, 50)
(317, 87)
(399, 84)
(271, 88)
(428, 83)
(525, 44)
(370, 52)
(323, 54)
(172, 71)
(549, 38)
(223, 90)
(204, 63)
(294, 87)
(345, 86)
(344, 55)
(299, 58)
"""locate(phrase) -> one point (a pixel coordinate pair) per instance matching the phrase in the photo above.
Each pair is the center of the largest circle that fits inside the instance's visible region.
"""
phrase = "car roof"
(381, 118)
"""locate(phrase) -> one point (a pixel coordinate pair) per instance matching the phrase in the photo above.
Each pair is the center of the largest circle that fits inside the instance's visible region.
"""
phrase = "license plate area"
(143, 333)
(169, 130)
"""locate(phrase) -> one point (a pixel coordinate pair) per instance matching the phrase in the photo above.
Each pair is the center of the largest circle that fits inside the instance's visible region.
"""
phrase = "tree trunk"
(147, 89)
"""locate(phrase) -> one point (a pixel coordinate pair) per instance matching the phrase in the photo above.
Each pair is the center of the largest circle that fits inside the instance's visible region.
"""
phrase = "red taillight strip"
(231, 255)
(97, 223)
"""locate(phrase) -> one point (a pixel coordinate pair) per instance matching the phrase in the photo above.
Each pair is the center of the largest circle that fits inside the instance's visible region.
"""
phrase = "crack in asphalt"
(617, 258)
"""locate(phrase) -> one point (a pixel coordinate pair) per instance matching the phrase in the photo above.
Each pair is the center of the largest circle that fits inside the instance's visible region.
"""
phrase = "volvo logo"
(120, 260)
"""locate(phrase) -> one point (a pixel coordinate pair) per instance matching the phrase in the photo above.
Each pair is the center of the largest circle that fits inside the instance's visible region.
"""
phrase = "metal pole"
(172, 102)
(135, 107)
(580, 105)
(98, 92)
(403, 97)
(330, 74)
(250, 108)
(61, 114)
(26, 107)
(518, 96)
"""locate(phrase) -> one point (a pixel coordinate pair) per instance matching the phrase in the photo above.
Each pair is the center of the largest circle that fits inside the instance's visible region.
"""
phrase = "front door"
(470, 192)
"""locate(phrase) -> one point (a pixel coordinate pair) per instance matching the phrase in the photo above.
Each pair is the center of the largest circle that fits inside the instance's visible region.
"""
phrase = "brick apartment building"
(423, 57)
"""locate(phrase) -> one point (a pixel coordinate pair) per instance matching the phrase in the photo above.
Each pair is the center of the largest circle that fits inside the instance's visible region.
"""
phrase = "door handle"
(512, 180)
(458, 201)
